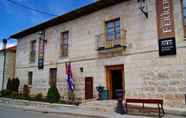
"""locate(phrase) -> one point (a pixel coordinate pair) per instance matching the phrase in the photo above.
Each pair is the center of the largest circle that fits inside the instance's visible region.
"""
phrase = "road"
(10, 112)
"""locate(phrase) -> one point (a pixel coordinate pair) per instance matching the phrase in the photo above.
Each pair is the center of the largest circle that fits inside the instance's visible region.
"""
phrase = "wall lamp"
(143, 7)
(42, 35)
(81, 69)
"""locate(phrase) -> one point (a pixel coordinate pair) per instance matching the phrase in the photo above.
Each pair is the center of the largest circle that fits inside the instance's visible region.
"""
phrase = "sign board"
(167, 46)
(165, 24)
(41, 52)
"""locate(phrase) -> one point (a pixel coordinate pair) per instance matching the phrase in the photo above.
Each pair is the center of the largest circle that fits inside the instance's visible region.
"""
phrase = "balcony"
(106, 44)
(32, 56)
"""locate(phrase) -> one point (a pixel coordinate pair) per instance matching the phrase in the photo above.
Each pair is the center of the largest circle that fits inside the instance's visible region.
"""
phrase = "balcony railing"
(32, 56)
(103, 42)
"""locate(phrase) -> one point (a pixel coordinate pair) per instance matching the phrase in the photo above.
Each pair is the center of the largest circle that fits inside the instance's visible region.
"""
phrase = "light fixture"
(81, 69)
(143, 7)
(42, 36)
(4, 43)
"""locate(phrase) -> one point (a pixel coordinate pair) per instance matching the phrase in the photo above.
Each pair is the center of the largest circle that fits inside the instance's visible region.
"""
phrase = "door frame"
(109, 78)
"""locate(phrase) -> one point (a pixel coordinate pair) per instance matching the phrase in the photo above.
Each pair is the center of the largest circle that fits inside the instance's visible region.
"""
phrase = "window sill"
(32, 63)
(63, 59)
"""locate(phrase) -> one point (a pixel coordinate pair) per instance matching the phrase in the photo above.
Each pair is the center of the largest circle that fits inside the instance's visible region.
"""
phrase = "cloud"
(1, 45)
(9, 44)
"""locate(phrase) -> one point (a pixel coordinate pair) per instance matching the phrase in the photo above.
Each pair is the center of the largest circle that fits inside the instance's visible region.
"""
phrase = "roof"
(10, 49)
(68, 17)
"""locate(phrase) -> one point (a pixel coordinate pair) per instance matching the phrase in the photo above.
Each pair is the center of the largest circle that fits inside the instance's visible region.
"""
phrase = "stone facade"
(9, 66)
(146, 74)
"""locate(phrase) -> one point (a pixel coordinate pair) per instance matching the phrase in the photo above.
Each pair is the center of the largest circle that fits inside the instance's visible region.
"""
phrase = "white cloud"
(1, 45)
(8, 45)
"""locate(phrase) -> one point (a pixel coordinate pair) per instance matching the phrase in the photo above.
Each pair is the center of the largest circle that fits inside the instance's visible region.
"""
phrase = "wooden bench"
(159, 103)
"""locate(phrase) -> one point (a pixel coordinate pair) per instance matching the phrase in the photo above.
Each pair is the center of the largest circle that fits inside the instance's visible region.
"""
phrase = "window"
(33, 51)
(184, 15)
(113, 30)
(64, 43)
(30, 75)
(53, 77)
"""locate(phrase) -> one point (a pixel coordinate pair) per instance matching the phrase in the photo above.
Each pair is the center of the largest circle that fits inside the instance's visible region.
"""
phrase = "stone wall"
(146, 74)
(9, 67)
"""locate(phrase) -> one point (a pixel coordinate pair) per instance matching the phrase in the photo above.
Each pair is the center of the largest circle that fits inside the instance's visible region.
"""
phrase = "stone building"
(9, 70)
(137, 46)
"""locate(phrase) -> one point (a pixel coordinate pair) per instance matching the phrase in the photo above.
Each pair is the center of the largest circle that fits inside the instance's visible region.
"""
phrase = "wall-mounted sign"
(41, 51)
(167, 46)
(165, 24)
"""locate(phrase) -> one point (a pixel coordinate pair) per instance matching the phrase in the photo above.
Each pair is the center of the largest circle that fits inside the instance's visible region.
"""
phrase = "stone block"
(163, 75)
(161, 89)
(174, 82)
(163, 83)
(182, 89)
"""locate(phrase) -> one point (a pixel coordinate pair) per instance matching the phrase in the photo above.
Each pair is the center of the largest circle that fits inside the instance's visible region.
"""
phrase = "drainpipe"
(4, 65)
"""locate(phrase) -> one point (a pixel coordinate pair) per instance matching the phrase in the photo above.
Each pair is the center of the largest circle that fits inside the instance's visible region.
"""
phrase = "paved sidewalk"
(67, 109)
(60, 109)
(72, 111)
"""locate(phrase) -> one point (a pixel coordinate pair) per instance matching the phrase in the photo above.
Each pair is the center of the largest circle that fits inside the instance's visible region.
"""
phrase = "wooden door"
(53, 77)
(88, 87)
(109, 78)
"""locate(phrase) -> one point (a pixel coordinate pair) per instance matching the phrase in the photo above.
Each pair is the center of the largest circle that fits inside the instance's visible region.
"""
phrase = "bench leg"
(126, 107)
(143, 105)
(162, 109)
(159, 111)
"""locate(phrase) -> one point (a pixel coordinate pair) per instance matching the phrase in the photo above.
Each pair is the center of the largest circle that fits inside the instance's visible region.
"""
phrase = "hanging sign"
(41, 52)
(165, 24)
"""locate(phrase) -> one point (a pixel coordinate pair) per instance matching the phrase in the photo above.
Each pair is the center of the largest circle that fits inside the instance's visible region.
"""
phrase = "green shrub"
(53, 95)
(14, 94)
(39, 97)
(5, 93)
(15, 84)
(9, 85)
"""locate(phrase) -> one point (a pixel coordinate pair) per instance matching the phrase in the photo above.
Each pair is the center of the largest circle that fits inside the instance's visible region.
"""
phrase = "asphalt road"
(10, 112)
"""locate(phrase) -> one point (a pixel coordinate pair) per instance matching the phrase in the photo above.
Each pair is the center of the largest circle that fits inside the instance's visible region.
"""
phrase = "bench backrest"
(152, 101)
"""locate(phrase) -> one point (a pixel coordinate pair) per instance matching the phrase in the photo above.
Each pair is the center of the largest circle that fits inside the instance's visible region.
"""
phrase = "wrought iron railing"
(103, 42)
(32, 56)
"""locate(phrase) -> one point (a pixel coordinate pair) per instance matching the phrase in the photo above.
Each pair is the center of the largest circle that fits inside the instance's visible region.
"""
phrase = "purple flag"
(69, 78)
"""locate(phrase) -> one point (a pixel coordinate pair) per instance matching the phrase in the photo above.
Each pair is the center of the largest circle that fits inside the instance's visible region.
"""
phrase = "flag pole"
(70, 82)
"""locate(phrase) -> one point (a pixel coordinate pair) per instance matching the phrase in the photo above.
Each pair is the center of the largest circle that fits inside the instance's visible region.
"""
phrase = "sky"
(14, 18)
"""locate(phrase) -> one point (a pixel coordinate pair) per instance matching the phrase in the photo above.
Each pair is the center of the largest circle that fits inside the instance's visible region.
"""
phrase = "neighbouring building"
(9, 68)
(138, 46)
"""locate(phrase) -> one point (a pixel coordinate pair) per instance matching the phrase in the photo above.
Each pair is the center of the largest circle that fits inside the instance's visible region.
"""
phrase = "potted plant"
(100, 89)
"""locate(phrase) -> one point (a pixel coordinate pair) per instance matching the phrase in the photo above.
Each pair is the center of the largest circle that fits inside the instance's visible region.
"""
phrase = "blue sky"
(14, 18)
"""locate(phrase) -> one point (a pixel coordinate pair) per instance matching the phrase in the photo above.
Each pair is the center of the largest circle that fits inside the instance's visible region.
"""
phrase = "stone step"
(94, 108)
(105, 106)
(101, 102)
